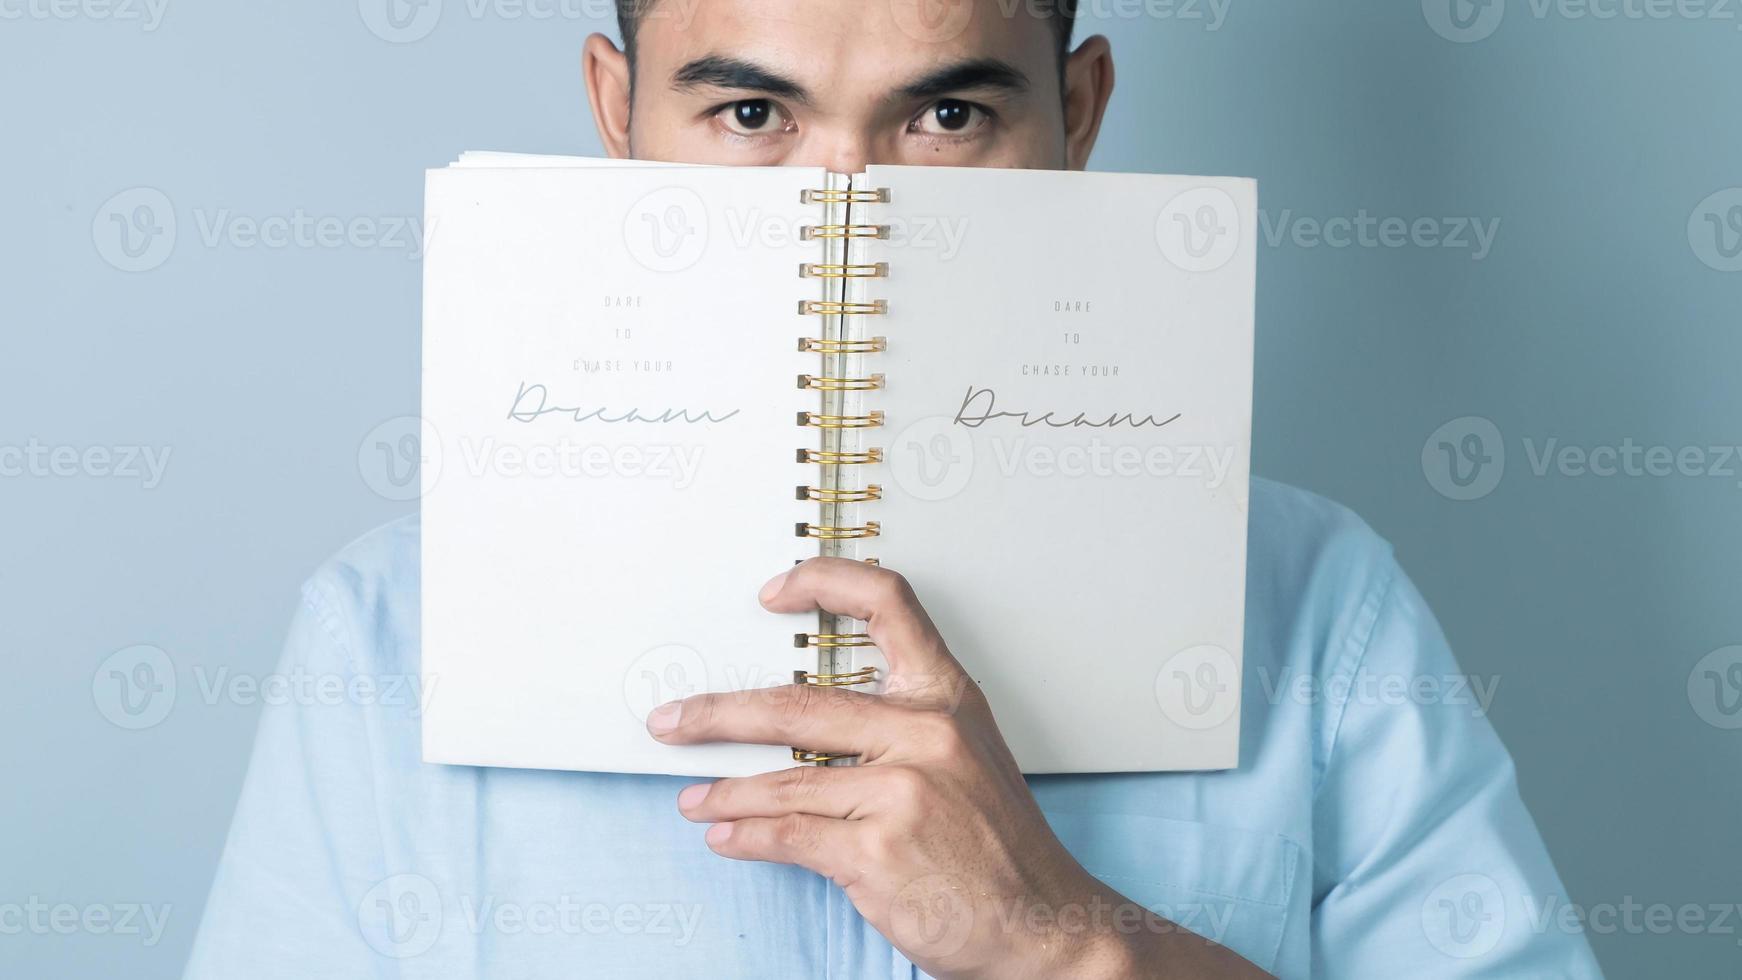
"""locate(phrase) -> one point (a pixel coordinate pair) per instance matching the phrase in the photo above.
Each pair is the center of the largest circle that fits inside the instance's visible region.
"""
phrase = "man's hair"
(1061, 13)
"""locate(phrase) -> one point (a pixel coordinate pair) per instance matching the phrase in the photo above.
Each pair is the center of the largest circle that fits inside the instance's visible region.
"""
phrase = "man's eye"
(752, 117)
(950, 117)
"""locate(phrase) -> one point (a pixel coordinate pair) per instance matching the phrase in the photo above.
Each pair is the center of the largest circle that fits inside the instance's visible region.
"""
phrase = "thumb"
(897, 623)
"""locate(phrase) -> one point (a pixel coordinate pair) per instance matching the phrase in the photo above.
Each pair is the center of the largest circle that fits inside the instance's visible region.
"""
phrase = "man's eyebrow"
(977, 73)
(720, 71)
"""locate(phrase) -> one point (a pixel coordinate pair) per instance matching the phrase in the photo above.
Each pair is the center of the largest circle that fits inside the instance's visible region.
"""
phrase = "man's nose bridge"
(849, 159)
(843, 152)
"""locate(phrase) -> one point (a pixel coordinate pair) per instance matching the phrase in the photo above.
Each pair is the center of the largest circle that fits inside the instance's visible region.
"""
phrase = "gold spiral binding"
(814, 232)
(824, 457)
(824, 532)
(832, 640)
(827, 495)
(878, 196)
(866, 676)
(843, 270)
(816, 421)
(838, 520)
(817, 307)
(815, 383)
(817, 345)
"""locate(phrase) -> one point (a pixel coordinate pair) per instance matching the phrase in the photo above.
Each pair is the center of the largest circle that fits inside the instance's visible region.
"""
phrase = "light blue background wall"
(1594, 318)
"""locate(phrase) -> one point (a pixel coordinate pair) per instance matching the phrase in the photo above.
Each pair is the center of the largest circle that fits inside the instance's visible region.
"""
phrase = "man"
(1361, 836)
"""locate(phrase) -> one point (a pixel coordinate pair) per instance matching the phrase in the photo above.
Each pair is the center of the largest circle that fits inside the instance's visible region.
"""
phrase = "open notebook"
(650, 388)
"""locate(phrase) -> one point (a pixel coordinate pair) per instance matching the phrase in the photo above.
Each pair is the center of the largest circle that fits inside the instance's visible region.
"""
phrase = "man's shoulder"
(1315, 570)
(366, 595)
(1290, 527)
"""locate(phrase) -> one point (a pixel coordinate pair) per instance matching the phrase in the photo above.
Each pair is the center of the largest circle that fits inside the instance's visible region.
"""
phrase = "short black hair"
(1062, 14)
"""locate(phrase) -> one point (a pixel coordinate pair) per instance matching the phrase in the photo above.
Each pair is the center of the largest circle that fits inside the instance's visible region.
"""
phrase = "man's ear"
(1088, 86)
(606, 70)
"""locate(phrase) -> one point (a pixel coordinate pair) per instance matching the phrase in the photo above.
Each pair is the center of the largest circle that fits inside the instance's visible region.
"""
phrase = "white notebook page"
(1080, 540)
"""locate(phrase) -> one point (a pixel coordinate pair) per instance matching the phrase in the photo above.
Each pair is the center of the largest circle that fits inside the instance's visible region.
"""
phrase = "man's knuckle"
(794, 785)
(893, 590)
(906, 787)
(854, 705)
(804, 574)
(797, 704)
(792, 832)
(700, 712)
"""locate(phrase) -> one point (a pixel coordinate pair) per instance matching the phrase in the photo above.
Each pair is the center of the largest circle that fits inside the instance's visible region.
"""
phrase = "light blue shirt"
(1373, 828)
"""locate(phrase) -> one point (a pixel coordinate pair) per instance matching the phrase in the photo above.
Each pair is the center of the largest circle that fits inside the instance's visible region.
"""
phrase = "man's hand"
(934, 835)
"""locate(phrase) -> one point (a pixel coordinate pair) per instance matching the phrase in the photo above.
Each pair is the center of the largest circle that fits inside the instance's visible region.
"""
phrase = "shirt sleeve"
(304, 848)
(1427, 863)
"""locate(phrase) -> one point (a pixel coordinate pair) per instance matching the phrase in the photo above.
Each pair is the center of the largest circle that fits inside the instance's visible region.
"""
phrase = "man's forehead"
(830, 44)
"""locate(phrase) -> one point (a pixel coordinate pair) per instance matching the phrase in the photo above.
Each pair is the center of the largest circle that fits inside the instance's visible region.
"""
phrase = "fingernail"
(692, 796)
(718, 834)
(665, 717)
(773, 587)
